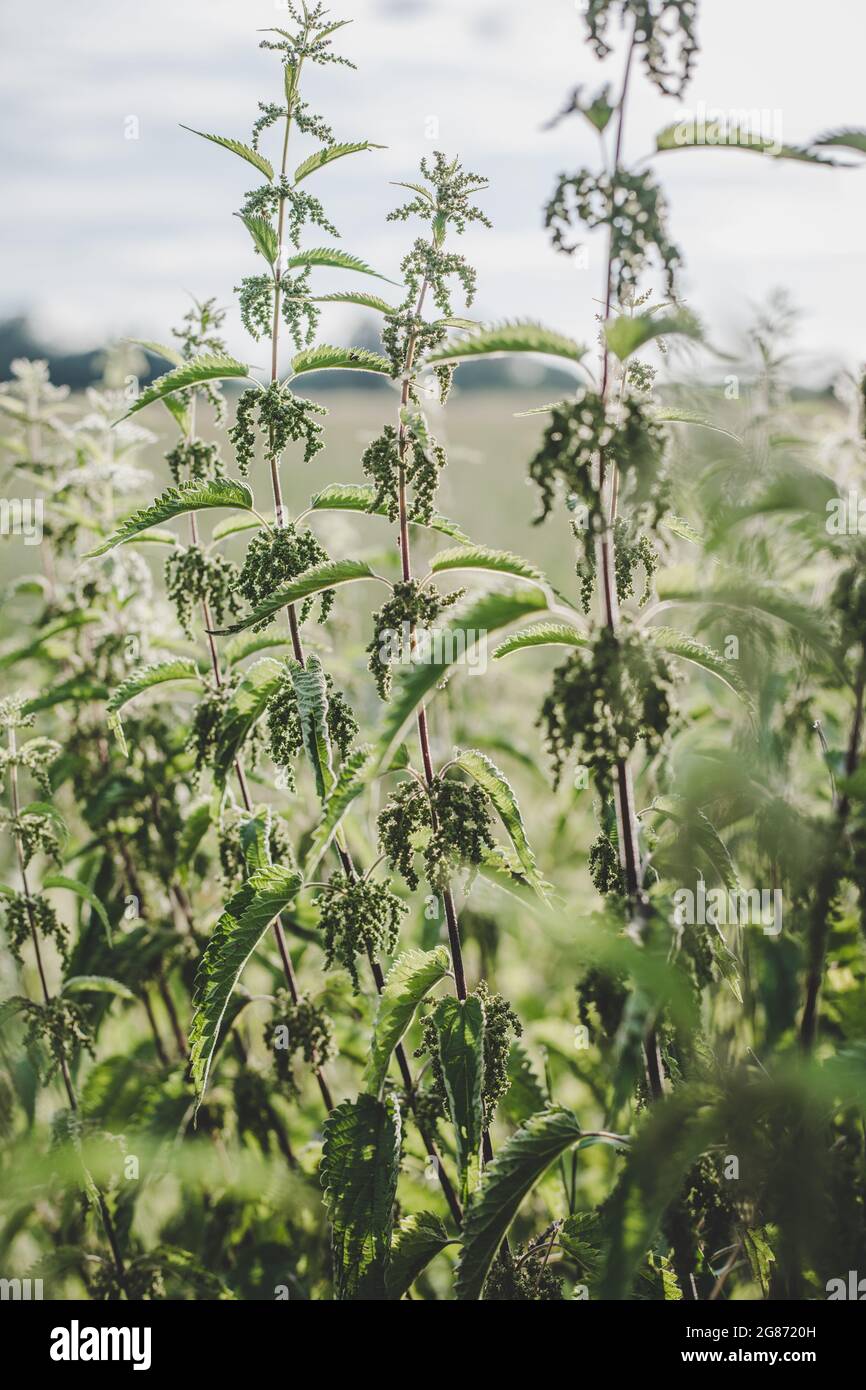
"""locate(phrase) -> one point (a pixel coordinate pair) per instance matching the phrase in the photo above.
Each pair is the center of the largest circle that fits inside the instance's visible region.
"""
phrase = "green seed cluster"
(632, 206)
(312, 42)
(456, 818)
(193, 461)
(19, 910)
(193, 576)
(413, 604)
(300, 207)
(206, 726)
(285, 733)
(606, 699)
(664, 32)
(309, 1032)
(631, 549)
(273, 559)
(501, 1027)
(54, 1031)
(604, 866)
(36, 833)
(577, 432)
(524, 1275)
(283, 417)
(358, 918)
(449, 200)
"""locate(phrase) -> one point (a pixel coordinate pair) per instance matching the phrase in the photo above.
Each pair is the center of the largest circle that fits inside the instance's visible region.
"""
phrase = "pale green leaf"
(177, 501)
(360, 497)
(328, 153)
(244, 709)
(540, 635)
(460, 1038)
(417, 1240)
(410, 979)
(324, 357)
(81, 890)
(96, 984)
(498, 789)
(312, 581)
(237, 934)
(516, 1168)
(480, 557)
(210, 366)
(311, 693)
(359, 1170)
(630, 332)
(251, 156)
(504, 338)
(336, 259)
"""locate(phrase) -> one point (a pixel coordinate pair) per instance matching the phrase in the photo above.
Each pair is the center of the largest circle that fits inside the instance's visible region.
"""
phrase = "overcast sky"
(102, 234)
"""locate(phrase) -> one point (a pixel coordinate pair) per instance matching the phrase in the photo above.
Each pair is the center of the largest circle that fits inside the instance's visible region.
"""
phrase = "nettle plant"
(207, 749)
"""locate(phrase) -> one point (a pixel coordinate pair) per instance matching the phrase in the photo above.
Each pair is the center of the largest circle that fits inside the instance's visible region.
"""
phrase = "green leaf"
(674, 1134)
(628, 333)
(146, 677)
(239, 648)
(81, 890)
(311, 693)
(480, 557)
(460, 1032)
(410, 979)
(540, 635)
(715, 135)
(177, 501)
(232, 525)
(359, 497)
(323, 357)
(760, 1256)
(328, 153)
(251, 156)
(468, 631)
(751, 594)
(169, 354)
(673, 415)
(498, 789)
(244, 709)
(153, 538)
(210, 366)
(76, 690)
(515, 1170)
(335, 258)
(238, 932)
(359, 1169)
(417, 1240)
(193, 831)
(96, 984)
(263, 234)
(312, 581)
(681, 528)
(353, 777)
(849, 139)
(688, 649)
(525, 1095)
(364, 301)
(507, 338)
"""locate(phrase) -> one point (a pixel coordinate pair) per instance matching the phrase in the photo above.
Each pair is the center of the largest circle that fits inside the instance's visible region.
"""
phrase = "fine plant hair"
(275, 861)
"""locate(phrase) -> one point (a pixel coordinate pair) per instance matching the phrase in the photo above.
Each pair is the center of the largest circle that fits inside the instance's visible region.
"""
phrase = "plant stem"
(105, 1215)
(627, 825)
(828, 876)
